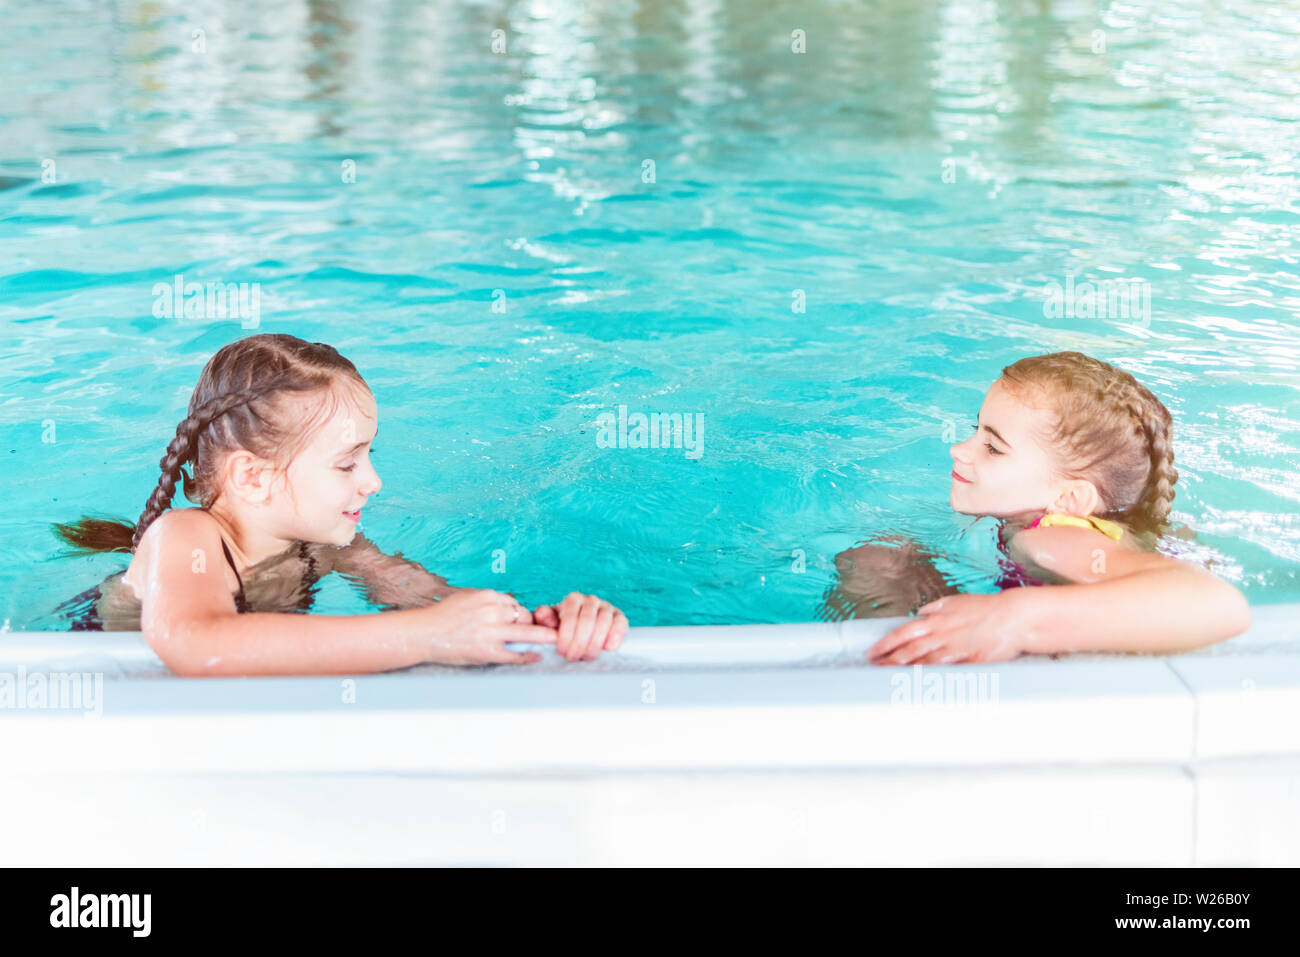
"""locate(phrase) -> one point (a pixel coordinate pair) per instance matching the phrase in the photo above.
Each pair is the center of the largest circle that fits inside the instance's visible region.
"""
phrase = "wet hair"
(240, 402)
(1110, 429)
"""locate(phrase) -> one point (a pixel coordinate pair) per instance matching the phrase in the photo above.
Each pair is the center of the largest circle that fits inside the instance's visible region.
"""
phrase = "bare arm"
(189, 619)
(390, 581)
(1120, 599)
(584, 624)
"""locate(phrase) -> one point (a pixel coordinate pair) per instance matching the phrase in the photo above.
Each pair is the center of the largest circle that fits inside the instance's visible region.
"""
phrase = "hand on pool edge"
(952, 630)
(585, 626)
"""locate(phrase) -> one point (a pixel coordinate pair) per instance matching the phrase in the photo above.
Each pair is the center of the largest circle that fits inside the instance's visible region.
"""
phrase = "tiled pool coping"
(1186, 759)
(698, 697)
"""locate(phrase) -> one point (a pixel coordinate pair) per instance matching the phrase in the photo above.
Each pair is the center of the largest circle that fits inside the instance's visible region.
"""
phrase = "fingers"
(581, 626)
(568, 623)
(502, 656)
(600, 630)
(529, 634)
(511, 612)
(585, 628)
(916, 628)
(617, 632)
(931, 608)
(912, 653)
(943, 655)
(494, 607)
(588, 625)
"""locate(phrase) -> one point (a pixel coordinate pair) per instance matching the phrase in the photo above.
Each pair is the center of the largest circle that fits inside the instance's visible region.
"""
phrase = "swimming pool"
(827, 255)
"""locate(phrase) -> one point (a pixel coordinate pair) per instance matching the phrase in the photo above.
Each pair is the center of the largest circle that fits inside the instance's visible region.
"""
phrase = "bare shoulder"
(180, 525)
(174, 535)
(1078, 554)
(181, 577)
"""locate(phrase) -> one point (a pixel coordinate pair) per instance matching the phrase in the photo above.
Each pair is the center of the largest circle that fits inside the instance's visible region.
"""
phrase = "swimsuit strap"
(1105, 526)
(225, 548)
(241, 603)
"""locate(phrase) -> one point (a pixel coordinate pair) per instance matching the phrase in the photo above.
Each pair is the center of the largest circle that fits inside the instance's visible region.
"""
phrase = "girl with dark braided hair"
(278, 441)
(1075, 457)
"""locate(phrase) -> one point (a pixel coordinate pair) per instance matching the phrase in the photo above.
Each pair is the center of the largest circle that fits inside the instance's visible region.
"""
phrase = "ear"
(1077, 497)
(248, 477)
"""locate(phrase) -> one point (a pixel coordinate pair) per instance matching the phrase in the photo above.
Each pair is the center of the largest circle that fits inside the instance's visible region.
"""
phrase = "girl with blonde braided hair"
(1075, 457)
(278, 437)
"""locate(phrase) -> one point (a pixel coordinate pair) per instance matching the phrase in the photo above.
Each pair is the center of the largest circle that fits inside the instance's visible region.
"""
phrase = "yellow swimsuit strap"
(1105, 526)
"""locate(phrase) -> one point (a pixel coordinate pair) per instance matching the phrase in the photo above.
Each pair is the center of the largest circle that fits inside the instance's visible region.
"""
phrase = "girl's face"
(333, 477)
(1005, 469)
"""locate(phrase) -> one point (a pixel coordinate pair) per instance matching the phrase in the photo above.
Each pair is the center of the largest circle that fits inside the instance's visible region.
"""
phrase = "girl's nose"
(958, 452)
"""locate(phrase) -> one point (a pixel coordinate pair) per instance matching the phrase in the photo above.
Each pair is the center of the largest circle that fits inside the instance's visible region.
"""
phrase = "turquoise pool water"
(503, 271)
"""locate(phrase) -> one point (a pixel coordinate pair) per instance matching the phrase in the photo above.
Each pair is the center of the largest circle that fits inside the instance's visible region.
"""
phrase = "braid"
(1115, 430)
(240, 373)
(182, 450)
(1149, 511)
(1157, 495)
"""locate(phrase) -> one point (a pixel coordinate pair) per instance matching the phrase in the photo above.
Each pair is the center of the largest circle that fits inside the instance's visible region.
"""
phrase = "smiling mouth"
(958, 478)
(355, 516)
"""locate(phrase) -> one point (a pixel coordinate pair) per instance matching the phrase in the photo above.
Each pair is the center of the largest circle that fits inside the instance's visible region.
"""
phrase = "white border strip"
(708, 698)
(688, 646)
(1274, 628)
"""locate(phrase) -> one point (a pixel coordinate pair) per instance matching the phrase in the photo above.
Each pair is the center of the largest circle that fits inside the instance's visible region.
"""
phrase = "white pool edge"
(687, 697)
(1195, 757)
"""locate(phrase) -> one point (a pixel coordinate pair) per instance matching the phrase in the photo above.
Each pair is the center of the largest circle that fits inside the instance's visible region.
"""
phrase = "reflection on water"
(646, 188)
